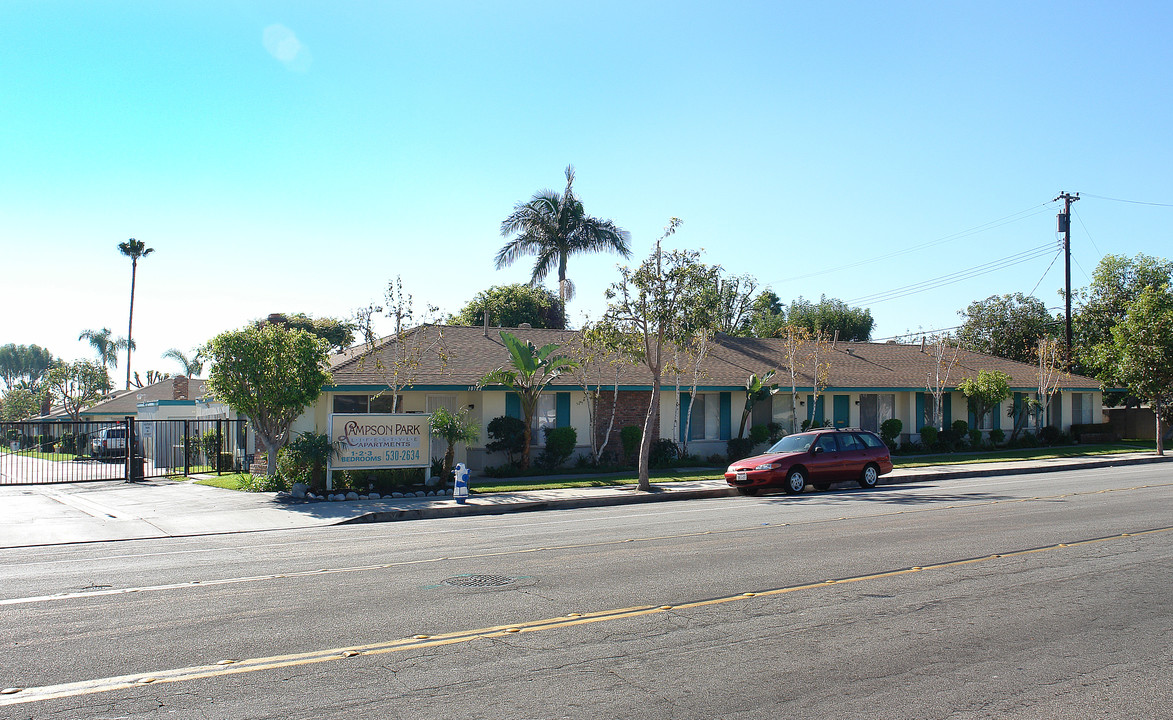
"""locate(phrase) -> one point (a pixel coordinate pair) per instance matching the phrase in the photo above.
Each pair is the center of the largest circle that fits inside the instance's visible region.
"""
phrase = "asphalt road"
(1041, 596)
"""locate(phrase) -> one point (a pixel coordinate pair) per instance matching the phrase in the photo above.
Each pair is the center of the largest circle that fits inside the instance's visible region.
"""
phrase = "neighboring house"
(868, 383)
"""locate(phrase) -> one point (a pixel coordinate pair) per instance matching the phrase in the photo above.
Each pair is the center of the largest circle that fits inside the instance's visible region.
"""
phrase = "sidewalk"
(34, 515)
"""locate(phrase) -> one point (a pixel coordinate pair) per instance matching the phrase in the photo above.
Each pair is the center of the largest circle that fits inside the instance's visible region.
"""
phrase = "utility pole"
(1065, 228)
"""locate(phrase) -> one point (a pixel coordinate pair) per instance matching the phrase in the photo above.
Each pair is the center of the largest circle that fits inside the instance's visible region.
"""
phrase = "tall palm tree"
(133, 249)
(192, 366)
(553, 227)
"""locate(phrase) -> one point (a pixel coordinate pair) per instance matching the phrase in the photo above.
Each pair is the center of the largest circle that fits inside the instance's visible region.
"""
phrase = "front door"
(842, 409)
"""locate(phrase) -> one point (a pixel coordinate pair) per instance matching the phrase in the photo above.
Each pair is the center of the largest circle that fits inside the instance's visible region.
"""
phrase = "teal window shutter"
(1017, 407)
(685, 404)
(726, 415)
(997, 416)
(972, 415)
(947, 404)
(562, 409)
(513, 405)
(920, 412)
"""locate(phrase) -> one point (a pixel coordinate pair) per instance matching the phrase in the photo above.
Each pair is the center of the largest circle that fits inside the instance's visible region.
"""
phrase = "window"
(382, 403)
(1081, 408)
(350, 403)
(545, 416)
(871, 440)
(696, 425)
(827, 442)
(874, 409)
(848, 441)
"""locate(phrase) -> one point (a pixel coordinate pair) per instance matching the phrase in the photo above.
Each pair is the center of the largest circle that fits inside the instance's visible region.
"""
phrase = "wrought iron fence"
(62, 452)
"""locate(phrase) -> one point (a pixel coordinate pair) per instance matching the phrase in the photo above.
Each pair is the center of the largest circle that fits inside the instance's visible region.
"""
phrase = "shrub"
(506, 434)
(948, 440)
(889, 430)
(630, 436)
(777, 432)
(1028, 440)
(211, 445)
(928, 435)
(560, 444)
(67, 443)
(664, 451)
(738, 448)
(975, 438)
(716, 459)
(1049, 435)
(996, 437)
(384, 480)
(759, 434)
(303, 460)
(264, 483)
(960, 427)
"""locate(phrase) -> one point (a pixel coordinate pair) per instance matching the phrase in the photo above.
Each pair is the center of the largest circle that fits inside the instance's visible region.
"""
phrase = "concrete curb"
(627, 495)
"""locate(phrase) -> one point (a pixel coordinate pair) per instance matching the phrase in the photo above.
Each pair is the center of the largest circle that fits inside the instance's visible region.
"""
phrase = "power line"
(955, 277)
(1008, 219)
(1049, 323)
(1040, 282)
(1134, 202)
(1088, 232)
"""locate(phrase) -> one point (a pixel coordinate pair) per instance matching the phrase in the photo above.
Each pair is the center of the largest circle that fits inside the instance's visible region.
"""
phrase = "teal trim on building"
(685, 405)
(920, 412)
(997, 416)
(513, 405)
(947, 409)
(562, 409)
(726, 416)
(841, 407)
(815, 412)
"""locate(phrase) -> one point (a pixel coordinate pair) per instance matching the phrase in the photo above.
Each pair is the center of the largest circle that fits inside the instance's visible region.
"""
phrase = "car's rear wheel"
(748, 491)
(795, 481)
(870, 476)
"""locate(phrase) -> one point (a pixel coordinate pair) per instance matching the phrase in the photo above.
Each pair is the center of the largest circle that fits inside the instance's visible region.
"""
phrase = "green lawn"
(54, 456)
(239, 481)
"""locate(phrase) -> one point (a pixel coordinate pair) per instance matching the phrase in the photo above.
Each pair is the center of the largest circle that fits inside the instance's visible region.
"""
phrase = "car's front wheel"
(869, 477)
(795, 481)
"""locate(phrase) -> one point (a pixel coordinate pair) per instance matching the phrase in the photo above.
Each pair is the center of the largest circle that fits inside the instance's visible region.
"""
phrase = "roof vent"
(524, 326)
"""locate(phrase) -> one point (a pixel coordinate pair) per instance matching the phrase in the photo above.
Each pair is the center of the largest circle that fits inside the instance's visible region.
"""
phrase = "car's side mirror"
(817, 449)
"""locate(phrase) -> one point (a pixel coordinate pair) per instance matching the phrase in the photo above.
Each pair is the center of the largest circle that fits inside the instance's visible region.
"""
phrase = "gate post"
(129, 448)
(186, 450)
(219, 445)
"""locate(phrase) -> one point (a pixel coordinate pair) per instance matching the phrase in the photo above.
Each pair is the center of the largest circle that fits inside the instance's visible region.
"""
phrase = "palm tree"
(192, 366)
(454, 428)
(133, 249)
(530, 370)
(106, 346)
(553, 227)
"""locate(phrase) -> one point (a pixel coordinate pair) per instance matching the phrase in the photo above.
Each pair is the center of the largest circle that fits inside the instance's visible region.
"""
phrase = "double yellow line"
(12, 696)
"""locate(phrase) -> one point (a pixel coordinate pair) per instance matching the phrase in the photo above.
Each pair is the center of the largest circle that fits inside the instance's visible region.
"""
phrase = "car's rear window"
(871, 440)
(850, 441)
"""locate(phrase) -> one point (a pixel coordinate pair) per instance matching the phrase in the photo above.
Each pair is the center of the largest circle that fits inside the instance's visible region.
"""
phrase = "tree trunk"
(525, 450)
(271, 450)
(645, 444)
(449, 456)
(130, 321)
(1160, 429)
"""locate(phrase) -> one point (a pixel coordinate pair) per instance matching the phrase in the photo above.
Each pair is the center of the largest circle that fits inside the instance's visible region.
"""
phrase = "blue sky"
(296, 156)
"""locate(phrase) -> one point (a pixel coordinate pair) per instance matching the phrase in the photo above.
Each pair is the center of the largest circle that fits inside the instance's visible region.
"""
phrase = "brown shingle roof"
(468, 354)
(125, 402)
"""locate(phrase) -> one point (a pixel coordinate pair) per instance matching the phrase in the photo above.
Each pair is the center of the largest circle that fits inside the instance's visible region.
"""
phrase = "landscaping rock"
(362, 497)
(396, 494)
(299, 490)
(352, 495)
(374, 496)
(420, 493)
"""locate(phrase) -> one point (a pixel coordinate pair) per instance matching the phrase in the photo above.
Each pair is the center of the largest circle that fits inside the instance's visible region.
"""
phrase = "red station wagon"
(818, 457)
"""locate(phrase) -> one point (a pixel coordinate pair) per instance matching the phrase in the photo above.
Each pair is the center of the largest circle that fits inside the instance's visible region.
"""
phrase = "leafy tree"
(25, 364)
(454, 428)
(529, 371)
(106, 346)
(133, 249)
(766, 317)
(269, 375)
(649, 310)
(153, 376)
(193, 365)
(1007, 326)
(830, 316)
(77, 385)
(339, 333)
(553, 227)
(593, 355)
(512, 305)
(1142, 353)
(20, 404)
(1116, 282)
(735, 301)
(985, 392)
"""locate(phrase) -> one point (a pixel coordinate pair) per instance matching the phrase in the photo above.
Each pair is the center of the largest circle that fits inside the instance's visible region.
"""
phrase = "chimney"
(179, 388)
(277, 319)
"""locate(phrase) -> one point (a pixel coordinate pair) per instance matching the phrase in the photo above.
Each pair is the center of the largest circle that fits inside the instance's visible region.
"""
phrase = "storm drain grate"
(477, 581)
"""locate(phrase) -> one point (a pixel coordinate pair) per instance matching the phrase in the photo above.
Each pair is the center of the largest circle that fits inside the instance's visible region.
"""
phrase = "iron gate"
(61, 452)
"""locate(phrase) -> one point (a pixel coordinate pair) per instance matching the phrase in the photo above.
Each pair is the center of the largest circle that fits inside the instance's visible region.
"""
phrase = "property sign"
(369, 441)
